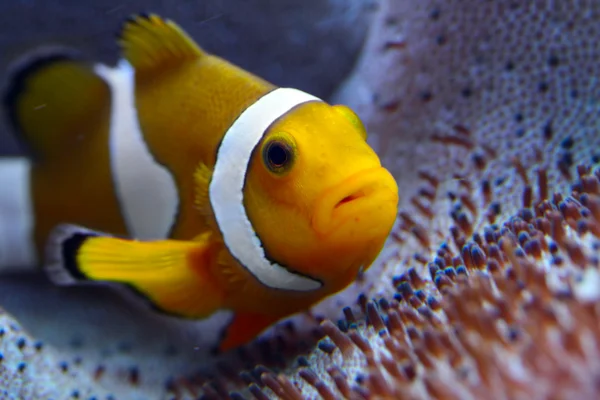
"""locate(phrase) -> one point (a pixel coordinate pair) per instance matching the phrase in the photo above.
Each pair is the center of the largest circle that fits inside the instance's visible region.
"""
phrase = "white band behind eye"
(227, 188)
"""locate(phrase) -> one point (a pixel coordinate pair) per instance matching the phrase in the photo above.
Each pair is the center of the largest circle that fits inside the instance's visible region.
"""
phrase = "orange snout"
(363, 205)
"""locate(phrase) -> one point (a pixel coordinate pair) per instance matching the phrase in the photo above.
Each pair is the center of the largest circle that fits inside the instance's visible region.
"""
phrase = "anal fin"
(172, 275)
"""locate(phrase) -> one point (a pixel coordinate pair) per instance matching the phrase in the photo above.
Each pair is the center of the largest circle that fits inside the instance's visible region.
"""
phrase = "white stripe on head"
(146, 190)
(227, 188)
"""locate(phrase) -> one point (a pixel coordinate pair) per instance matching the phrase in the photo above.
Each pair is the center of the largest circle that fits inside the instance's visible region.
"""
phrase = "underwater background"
(487, 113)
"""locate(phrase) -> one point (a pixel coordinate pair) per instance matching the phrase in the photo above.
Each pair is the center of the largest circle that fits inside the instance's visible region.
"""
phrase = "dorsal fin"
(150, 42)
(51, 97)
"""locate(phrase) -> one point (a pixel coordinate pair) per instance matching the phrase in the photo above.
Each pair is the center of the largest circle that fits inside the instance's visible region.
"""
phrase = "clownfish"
(195, 183)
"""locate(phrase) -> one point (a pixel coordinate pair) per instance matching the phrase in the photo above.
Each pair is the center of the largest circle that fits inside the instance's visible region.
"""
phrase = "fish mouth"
(368, 197)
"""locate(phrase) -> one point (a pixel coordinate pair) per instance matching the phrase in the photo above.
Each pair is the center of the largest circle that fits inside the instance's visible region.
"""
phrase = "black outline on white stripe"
(146, 190)
(226, 190)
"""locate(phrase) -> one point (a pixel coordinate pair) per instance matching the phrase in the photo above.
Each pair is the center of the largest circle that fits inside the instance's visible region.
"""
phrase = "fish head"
(317, 195)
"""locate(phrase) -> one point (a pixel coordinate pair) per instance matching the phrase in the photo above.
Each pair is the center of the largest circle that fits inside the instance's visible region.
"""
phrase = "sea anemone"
(488, 114)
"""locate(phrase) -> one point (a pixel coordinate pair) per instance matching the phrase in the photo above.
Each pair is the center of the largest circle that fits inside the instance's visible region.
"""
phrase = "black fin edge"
(69, 249)
(132, 19)
(149, 303)
(20, 72)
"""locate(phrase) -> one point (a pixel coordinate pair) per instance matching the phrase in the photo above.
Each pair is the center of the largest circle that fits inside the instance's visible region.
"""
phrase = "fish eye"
(278, 156)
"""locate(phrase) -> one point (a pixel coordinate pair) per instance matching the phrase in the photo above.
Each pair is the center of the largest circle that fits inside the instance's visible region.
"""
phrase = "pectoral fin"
(173, 275)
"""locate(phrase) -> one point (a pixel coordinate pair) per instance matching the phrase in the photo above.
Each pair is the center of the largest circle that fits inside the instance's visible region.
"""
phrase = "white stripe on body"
(146, 190)
(227, 184)
(17, 248)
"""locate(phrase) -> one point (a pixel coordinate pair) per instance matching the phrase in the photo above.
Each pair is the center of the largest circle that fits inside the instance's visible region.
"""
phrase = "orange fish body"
(196, 183)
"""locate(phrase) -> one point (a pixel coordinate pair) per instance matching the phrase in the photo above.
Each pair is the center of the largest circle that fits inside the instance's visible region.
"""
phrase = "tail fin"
(51, 98)
(172, 275)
